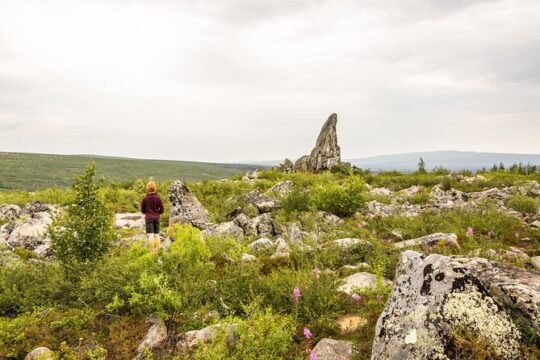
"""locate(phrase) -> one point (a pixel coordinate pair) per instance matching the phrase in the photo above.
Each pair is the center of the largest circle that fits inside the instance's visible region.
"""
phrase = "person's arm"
(161, 209)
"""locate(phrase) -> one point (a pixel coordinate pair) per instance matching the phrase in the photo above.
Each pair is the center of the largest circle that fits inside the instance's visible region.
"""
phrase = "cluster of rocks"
(324, 155)
(441, 200)
(27, 227)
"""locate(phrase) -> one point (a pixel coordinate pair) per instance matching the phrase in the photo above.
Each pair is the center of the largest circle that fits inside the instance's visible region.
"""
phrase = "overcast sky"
(249, 79)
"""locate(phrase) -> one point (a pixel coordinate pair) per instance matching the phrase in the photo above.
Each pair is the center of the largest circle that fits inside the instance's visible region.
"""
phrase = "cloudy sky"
(229, 80)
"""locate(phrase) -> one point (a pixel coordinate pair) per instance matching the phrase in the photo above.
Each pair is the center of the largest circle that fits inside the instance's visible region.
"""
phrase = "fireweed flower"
(470, 231)
(307, 333)
(317, 272)
(356, 298)
(313, 356)
(296, 294)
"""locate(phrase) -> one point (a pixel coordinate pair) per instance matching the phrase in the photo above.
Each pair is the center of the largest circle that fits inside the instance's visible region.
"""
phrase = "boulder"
(287, 167)
(282, 189)
(189, 340)
(326, 153)
(261, 244)
(29, 233)
(514, 253)
(247, 258)
(263, 203)
(329, 349)
(185, 208)
(263, 225)
(9, 212)
(129, 221)
(227, 228)
(535, 262)
(295, 235)
(330, 219)
(429, 240)
(348, 243)
(155, 336)
(381, 192)
(361, 280)
(36, 207)
(40, 353)
(436, 297)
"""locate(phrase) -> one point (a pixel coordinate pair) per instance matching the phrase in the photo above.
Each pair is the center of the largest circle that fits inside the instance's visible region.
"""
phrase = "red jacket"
(152, 206)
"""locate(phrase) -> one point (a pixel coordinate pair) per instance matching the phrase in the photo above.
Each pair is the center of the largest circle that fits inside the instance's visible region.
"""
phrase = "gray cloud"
(232, 80)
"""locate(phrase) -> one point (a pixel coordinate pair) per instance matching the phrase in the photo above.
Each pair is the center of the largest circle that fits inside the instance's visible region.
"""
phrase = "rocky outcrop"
(287, 167)
(156, 336)
(436, 298)
(129, 221)
(262, 202)
(185, 208)
(282, 189)
(430, 240)
(9, 212)
(324, 156)
(40, 353)
(29, 232)
(329, 349)
(261, 244)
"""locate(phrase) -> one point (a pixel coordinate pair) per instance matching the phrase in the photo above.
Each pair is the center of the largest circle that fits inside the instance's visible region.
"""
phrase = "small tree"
(421, 166)
(86, 232)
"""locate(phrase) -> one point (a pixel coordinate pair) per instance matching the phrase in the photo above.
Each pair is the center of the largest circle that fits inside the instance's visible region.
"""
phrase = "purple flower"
(317, 272)
(470, 231)
(313, 356)
(296, 294)
(356, 298)
(307, 333)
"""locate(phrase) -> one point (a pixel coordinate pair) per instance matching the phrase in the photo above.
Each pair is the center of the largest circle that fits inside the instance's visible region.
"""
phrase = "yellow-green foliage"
(523, 204)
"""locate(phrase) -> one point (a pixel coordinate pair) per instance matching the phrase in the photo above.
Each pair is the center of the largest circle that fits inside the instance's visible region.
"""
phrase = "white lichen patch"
(411, 337)
(468, 310)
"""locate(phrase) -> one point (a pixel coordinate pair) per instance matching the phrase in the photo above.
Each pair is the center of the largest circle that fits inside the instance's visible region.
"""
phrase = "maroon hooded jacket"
(152, 206)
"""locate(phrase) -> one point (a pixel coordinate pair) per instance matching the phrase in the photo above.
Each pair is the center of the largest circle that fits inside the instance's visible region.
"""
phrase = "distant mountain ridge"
(452, 160)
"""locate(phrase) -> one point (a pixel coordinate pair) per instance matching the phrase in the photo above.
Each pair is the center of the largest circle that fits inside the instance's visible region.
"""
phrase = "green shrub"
(86, 233)
(523, 204)
(341, 200)
(297, 200)
(263, 334)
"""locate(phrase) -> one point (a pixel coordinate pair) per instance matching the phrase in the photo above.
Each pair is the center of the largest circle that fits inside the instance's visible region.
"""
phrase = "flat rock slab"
(329, 349)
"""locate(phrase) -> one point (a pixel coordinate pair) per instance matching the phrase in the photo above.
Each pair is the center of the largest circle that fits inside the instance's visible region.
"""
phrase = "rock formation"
(436, 298)
(324, 156)
(185, 208)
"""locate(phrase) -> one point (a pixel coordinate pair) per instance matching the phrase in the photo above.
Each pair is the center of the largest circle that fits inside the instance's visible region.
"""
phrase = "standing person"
(152, 208)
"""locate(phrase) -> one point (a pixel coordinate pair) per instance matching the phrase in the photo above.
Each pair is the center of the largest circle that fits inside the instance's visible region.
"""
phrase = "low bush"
(523, 204)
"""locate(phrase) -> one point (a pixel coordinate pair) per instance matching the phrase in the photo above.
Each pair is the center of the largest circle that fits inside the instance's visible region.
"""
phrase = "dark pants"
(152, 226)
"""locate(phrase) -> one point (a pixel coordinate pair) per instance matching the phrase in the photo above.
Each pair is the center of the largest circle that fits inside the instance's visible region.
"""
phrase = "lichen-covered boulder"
(330, 349)
(185, 208)
(262, 244)
(28, 232)
(9, 212)
(40, 353)
(282, 189)
(436, 298)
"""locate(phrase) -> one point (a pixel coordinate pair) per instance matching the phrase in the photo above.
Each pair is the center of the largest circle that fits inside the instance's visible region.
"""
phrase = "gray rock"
(514, 253)
(361, 280)
(29, 233)
(262, 244)
(129, 221)
(189, 340)
(9, 212)
(263, 203)
(330, 219)
(40, 353)
(36, 207)
(155, 336)
(282, 189)
(263, 225)
(329, 349)
(247, 258)
(434, 296)
(185, 208)
(535, 262)
(287, 167)
(381, 192)
(430, 240)
(348, 243)
(536, 224)
(227, 228)
(295, 235)
(326, 153)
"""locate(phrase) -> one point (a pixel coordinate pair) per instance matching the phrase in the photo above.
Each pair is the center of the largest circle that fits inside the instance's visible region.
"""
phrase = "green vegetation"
(25, 171)
(199, 281)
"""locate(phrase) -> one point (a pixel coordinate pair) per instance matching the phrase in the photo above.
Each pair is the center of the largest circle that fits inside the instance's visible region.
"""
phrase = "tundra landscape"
(269, 180)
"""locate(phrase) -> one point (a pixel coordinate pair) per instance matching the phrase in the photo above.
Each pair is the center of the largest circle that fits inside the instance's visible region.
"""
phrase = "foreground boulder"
(436, 298)
(185, 208)
(329, 349)
(155, 336)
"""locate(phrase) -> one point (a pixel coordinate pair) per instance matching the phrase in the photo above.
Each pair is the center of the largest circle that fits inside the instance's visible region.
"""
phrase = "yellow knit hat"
(151, 186)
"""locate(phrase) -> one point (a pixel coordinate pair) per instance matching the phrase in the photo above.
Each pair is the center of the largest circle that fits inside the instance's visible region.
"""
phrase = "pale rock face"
(348, 243)
(361, 280)
(129, 221)
(381, 192)
(430, 240)
(282, 189)
(287, 167)
(295, 235)
(535, 262)
(261, 244)
(29, 233)
(185, 208)
(247, 258)
(227, 228)
(329, 349)
(155, 336)
(434, 296)
(40, 353)
(9, 212)
(189, 340)
(326, 153)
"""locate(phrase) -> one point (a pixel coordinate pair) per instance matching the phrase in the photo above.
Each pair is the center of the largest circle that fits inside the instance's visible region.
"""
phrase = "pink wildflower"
(470, 231)
(307, 333)
(313, 356)
(356, 298)
(317, 272)
(296, 294)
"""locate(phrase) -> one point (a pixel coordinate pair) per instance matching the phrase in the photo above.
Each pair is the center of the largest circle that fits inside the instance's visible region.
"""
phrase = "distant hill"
(452, 160)
(27, 171)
